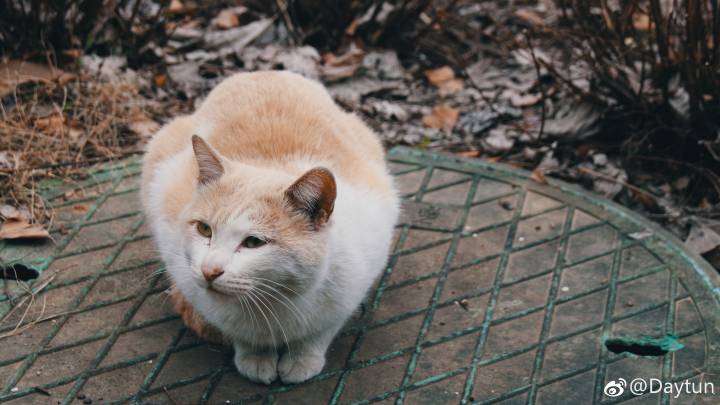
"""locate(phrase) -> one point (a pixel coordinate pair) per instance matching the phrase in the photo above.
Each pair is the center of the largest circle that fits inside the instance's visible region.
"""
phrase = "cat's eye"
(253, 242)
(203, 229)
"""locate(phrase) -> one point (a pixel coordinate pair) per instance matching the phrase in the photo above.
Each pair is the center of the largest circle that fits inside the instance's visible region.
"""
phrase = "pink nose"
(211, 273)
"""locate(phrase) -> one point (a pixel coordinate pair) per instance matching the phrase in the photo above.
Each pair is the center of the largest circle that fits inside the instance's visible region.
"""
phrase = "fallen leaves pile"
(494, 98)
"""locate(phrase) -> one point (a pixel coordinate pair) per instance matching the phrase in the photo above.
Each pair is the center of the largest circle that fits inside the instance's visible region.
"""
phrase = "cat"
(274, 213)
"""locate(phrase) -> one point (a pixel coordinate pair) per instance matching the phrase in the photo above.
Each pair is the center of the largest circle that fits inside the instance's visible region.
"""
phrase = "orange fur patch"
(193, 320)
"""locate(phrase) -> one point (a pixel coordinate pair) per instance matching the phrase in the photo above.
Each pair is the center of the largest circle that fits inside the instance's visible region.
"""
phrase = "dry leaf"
(51, 123)
(335, 73)
(681, 183)
(642, 22)
(74, 53)
(646, 199)
(538, 176)
(15, 72)
(80, 208)
(9, 212)
(438, 76)
(444, 79)
(160, 79)
(705, 204)
(20, 229)
(350, 30)
(526, 100)
(143, 125)
(176, 6)
(75, 129)
(65, 78)
(702, 238)
(529, 16)
(441, 117)
(640, 235)
(342, 66)
(451, 86)
(226, 19)
(468, 153)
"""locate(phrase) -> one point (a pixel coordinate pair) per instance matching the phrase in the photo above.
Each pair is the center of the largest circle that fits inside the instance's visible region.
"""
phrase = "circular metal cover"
(499, 290)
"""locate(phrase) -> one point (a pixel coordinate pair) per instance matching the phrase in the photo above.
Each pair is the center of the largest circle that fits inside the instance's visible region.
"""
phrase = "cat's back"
(273, 118)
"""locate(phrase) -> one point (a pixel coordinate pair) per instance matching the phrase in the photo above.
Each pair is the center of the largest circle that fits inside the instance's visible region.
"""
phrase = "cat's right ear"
(313, 196)
(209, 164)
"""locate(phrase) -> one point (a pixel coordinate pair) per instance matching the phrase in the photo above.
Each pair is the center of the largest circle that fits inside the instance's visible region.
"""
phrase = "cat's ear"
(313, 195)
(208, 161)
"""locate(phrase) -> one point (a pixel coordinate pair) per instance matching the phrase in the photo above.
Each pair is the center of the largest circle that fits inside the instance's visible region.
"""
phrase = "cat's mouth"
(215, 290)
(220, 290)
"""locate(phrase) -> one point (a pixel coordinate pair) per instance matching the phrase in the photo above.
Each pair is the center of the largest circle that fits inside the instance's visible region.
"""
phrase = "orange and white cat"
(273, 211)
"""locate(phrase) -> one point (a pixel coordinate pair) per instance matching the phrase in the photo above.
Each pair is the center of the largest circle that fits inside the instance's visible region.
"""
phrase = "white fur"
(357, 240)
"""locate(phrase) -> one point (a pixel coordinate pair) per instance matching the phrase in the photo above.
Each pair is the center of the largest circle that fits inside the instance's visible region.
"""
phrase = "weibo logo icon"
(615, 388)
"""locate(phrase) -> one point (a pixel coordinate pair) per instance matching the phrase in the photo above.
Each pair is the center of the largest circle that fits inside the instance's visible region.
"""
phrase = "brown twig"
(167, 393)
(474, 85)
(614, 180)
(540, 85)
(282, 6)
(712, 177)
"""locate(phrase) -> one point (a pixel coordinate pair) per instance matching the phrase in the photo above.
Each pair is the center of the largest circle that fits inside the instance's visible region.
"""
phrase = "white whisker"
(277, 320)
(255, 298)
(284, 300)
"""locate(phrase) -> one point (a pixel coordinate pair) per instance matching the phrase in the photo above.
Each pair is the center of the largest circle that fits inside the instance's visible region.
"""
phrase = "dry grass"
(55, 130)
(656, 59)
(652, 70)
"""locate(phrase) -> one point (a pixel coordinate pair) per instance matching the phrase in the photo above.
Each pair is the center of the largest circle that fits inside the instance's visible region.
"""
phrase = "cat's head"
(248, 228)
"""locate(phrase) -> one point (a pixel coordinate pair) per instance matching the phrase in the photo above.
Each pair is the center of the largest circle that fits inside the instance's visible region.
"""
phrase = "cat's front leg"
(257, 366)
(304, 360)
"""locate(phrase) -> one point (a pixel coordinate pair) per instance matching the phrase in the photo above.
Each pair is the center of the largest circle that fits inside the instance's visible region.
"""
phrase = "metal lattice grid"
(498, 290)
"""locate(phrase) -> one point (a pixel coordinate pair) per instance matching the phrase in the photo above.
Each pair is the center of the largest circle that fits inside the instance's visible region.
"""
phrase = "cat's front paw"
(296, 369)
(261, 368)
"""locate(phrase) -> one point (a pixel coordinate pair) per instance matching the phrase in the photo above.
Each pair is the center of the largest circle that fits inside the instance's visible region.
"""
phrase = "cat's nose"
(211, 273)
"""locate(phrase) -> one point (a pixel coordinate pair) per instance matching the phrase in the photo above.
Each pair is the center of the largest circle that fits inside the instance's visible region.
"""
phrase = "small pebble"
(565, 289)
(14, 389)
(521, 239)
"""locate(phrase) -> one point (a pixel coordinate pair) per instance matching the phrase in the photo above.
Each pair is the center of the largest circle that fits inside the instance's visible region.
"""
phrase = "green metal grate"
(499, 289)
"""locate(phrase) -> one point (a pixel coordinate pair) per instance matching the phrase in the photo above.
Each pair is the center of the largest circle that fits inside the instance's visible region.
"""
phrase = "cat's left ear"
(313, 196)
(209, 163)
